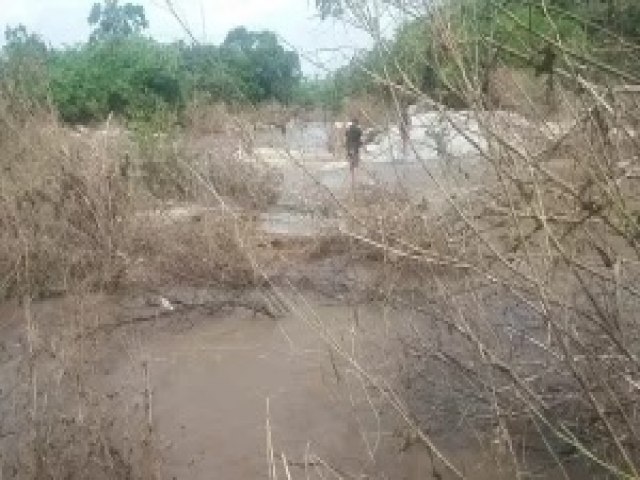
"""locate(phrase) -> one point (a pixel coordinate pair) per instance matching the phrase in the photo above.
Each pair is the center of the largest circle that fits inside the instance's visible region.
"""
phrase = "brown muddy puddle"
(237, 394)
(227, 389)
(211, 388)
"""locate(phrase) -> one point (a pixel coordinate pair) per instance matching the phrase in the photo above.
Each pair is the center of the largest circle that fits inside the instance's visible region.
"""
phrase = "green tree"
(23, 63)
(266, 69)
(208, 73)
(19, 41)
(112, 20)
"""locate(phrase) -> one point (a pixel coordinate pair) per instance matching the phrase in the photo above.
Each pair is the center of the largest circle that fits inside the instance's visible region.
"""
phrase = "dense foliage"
(248, 66)
(120, 71)
(112, 20)
(524, 34)
(133, 76)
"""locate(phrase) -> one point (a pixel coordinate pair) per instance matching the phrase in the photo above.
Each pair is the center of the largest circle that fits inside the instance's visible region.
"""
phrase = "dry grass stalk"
(63, 202)
(60, 424)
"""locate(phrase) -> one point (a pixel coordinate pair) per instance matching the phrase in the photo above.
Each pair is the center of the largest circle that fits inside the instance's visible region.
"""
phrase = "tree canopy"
(111, 19)
(23, 63)
(268, 71)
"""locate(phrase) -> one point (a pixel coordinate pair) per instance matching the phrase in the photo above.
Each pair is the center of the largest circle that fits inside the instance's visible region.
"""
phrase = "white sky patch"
(328, 43)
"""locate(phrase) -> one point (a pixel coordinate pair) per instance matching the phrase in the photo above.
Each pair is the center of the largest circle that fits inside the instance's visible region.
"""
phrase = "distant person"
(353, 142)
(405, 127)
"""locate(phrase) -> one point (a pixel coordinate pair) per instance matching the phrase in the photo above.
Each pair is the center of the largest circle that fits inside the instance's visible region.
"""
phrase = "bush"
(73, 204)
(131, 77)
(121, 72)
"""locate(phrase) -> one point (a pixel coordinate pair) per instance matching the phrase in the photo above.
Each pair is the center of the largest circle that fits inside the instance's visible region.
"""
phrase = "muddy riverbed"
(296, 376)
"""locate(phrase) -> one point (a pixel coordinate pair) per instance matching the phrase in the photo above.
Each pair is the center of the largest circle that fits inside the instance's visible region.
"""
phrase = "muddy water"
(211, 387)
(212, 381)
(212, 371)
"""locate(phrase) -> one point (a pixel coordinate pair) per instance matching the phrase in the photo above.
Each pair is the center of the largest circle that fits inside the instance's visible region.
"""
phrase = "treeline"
(121, 71)
(427, 51)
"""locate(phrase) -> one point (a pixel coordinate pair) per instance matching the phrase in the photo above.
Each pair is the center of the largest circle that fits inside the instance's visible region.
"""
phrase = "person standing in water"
(353, 143)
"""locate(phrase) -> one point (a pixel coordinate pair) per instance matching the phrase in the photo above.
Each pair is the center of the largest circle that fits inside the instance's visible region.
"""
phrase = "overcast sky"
(63, 22)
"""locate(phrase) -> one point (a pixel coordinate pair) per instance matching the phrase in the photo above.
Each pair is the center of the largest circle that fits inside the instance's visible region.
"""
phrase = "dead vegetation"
(57, 420)
(63, 206)
(74, 203)
(536, 332)
(386, 223)
(207, 248)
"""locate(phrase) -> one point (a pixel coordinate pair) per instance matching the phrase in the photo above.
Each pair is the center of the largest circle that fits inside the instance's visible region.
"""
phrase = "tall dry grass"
(75, 202)
(63, 204)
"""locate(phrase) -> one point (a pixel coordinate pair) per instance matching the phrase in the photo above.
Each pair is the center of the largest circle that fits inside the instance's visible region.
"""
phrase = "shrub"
(131, 77)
